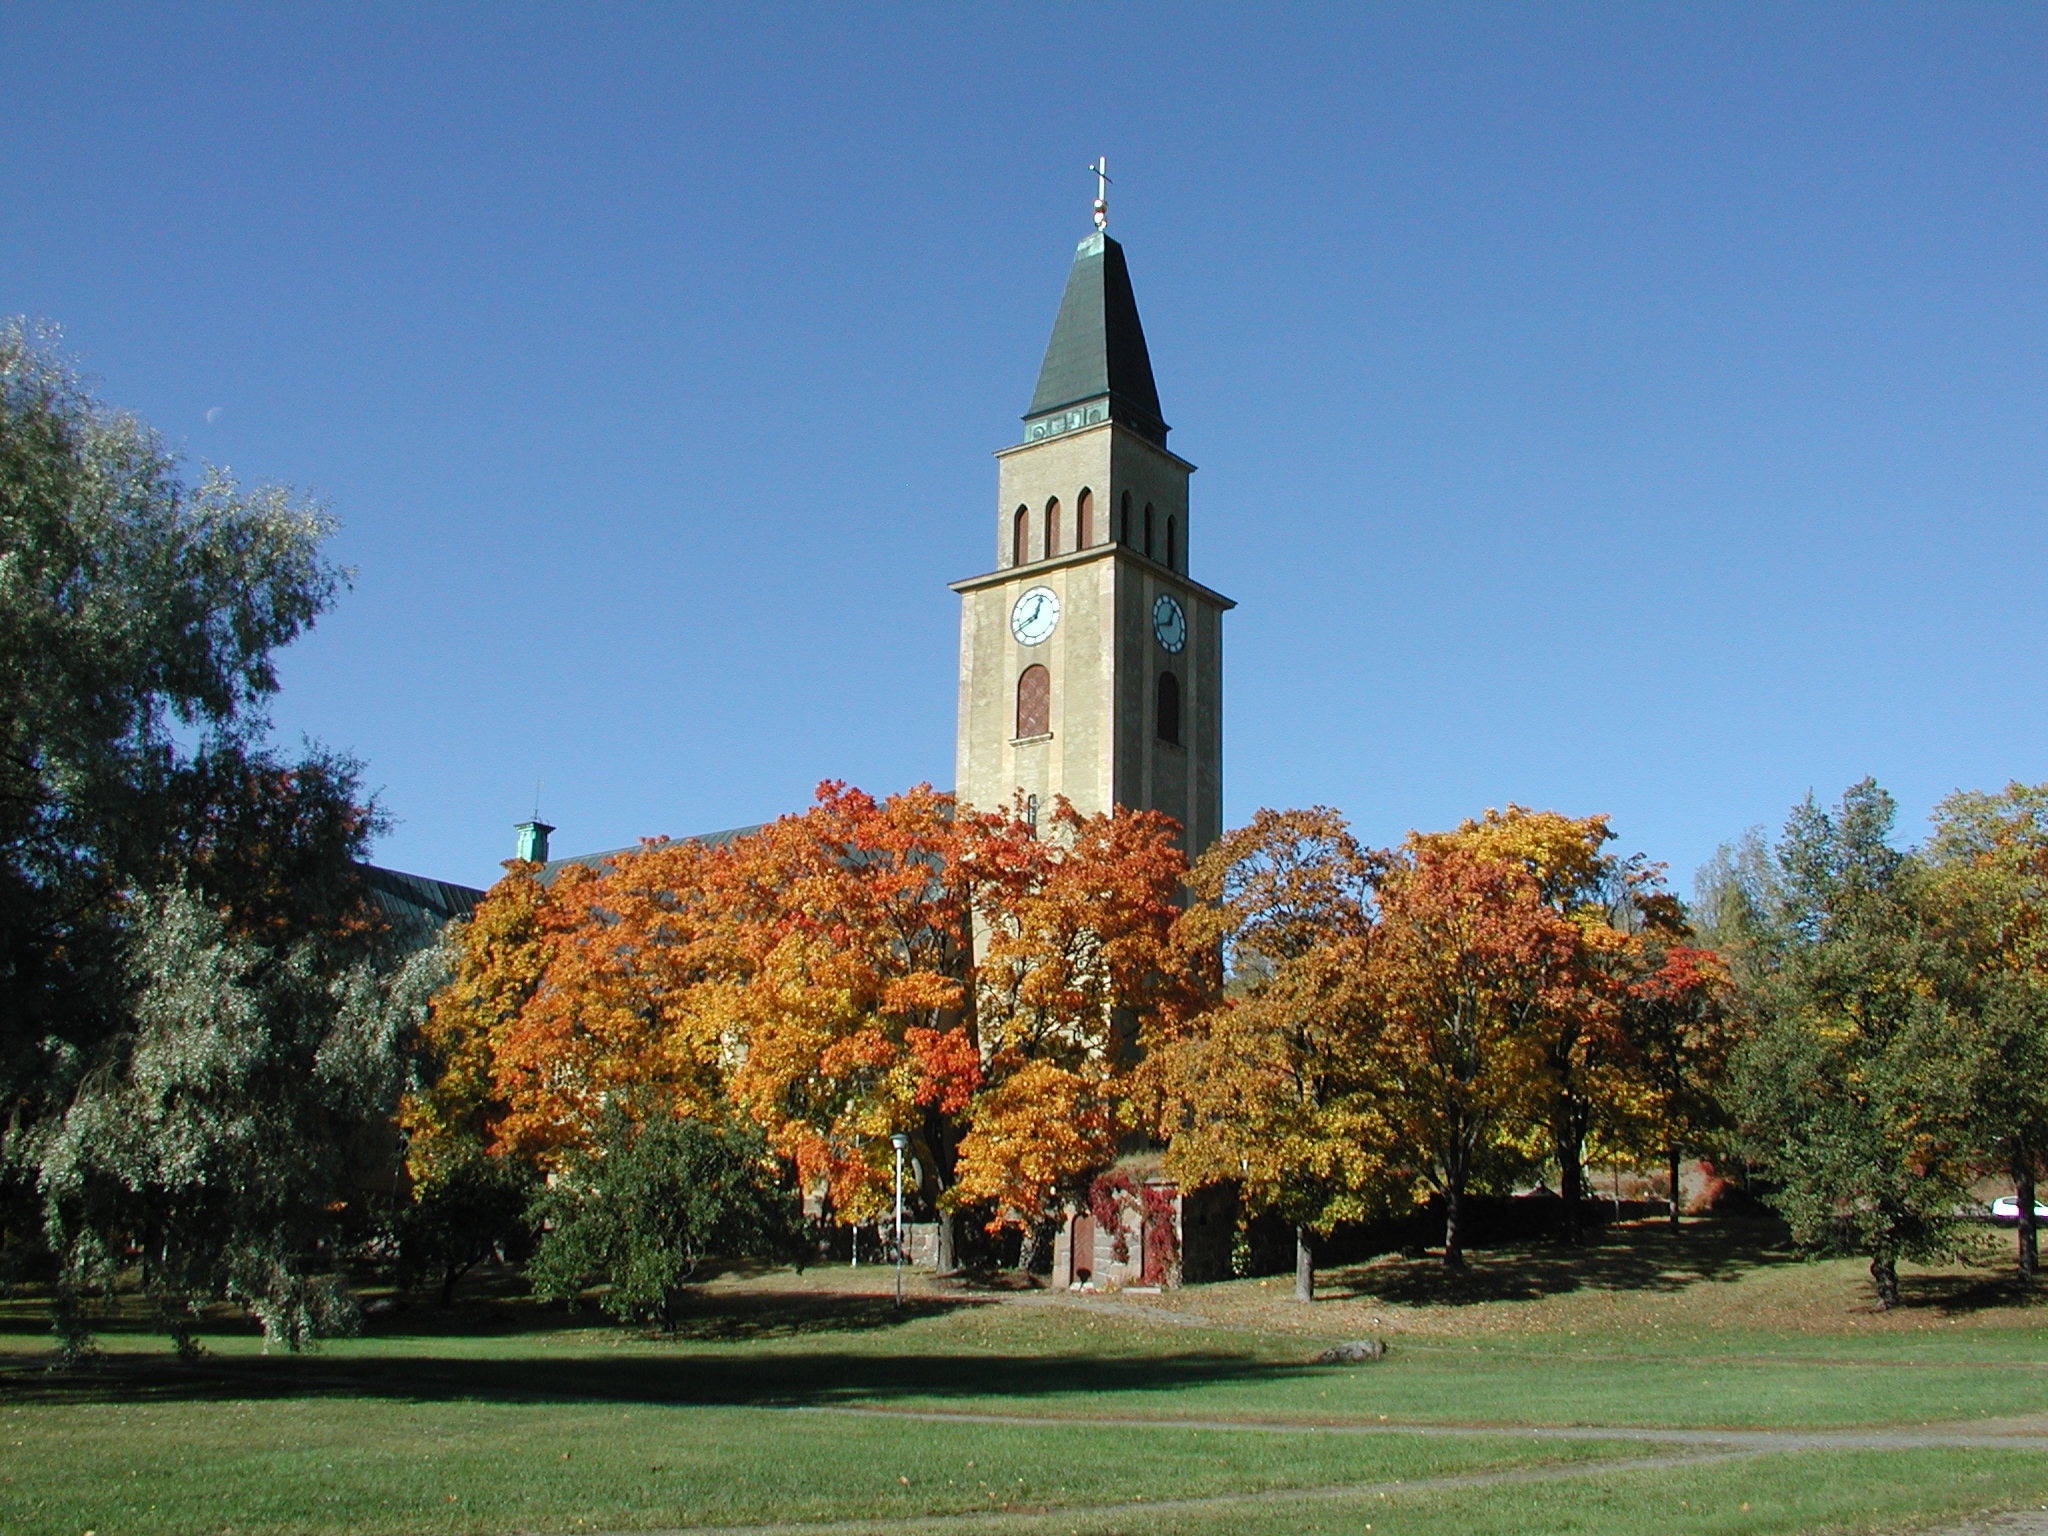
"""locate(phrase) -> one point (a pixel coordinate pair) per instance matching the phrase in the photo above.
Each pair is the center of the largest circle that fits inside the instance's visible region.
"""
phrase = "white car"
(2007, 1208)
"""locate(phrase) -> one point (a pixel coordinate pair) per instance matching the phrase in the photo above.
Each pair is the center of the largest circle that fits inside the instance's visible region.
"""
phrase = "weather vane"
(1101, 170)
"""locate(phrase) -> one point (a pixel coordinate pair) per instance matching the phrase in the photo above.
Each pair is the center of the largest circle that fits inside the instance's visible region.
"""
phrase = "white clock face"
(1036, 614)
(1169, 624)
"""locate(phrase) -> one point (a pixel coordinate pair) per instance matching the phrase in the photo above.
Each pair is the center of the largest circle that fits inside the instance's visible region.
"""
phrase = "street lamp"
(899, 1141)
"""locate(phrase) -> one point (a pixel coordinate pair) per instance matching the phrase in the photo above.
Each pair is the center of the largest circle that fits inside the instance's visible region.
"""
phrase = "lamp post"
(899, 1141)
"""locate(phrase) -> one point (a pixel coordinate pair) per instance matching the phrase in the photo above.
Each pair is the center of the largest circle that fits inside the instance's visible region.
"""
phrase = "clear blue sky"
(1625, 408)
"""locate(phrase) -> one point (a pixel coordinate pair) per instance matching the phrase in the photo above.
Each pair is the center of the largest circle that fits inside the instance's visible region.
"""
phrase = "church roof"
(1098, 345)
(547, 873)
(416, 907)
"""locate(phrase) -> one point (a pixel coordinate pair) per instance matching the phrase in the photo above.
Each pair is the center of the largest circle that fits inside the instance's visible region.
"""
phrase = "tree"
(1076, 960)
(642, 1208)
(1988, 868)
(455, 1110)
(189, 965)
(1591, 1065)
(616, 1017)
(467, 1211)
(215, 1136)
(1678, 1023)
(1846, 1086)
(1467, 966)
(1261, 1088)
(138, 618)
(840, 986)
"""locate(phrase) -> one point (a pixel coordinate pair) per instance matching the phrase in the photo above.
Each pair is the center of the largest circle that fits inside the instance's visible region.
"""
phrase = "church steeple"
(1096, 366)
(1091, 662)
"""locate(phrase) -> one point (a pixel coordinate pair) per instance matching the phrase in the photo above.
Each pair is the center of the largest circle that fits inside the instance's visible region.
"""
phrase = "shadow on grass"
(1961, 1295)
(1641, 1258)
(685, 1377)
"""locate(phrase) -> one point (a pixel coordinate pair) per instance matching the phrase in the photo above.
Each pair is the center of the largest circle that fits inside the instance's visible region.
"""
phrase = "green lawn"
(504, 1417)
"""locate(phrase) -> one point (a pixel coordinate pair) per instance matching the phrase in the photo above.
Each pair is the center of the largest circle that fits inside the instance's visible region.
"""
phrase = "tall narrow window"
(1173, 543)
(1123, 529)
(1052, 527)
(1084, 519)
(1031, 813)
(1034, 702)
(1020, 542)
(1169, 708)
(1148, 531)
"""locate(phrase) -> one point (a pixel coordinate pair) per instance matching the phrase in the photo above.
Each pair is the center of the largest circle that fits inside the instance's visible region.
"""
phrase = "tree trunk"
(1568, 1140)
(1454, 1224)
(1304, 1266)
(2023, 1190)
(1884, 1280)
(1674, 1184)
(945, 1260)
(1034, 1253)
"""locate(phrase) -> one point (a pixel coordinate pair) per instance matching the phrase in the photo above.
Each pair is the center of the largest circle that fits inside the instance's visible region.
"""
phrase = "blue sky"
(1638, 409)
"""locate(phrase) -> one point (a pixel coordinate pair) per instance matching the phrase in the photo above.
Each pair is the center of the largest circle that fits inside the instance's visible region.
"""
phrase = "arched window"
(1148, 530)
(1084, 519)
(1169, 708)
(1020, 551)
(1034, 702)
(1123, 529)
(1052, 527)
(1173, 543)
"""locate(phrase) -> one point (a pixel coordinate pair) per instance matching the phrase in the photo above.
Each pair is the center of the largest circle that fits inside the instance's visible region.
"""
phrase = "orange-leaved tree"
(1595, 1079)
(842, 988)
(453, 1113)
(1073, 932)
(615, 1023)
(1467, 966)
(1259, 1086)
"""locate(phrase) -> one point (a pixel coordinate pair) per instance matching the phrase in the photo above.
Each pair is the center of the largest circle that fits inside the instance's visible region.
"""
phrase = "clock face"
(1169, 624)
(1035, 615)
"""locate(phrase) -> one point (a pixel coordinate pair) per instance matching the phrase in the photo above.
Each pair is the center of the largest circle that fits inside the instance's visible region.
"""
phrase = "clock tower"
(1091, 663)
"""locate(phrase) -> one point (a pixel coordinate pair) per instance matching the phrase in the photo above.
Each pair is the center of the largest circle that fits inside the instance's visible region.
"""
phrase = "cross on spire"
(1101, 170)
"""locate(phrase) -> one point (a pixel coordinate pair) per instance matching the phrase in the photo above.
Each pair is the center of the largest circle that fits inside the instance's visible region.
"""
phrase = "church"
(1091, 661)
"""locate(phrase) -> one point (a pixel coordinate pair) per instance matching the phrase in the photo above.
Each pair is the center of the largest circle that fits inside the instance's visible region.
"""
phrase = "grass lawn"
(1195, 1411)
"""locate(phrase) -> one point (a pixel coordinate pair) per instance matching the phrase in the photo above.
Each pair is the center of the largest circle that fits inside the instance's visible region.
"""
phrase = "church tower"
(1091, 663)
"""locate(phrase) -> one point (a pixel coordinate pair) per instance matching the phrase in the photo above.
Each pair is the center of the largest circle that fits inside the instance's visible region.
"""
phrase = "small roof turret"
(1096, 366)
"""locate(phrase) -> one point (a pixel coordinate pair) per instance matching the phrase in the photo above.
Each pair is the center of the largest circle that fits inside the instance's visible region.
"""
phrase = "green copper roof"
(1097, 351)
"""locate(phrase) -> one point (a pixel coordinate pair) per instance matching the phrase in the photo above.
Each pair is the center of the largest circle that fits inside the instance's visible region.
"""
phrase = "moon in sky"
(213, 413)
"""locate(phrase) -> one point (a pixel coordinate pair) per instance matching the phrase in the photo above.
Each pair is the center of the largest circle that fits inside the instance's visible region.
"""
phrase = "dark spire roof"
(1097, 349)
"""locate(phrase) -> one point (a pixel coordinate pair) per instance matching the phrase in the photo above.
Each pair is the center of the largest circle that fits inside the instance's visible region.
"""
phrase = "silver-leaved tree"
(196, 1016)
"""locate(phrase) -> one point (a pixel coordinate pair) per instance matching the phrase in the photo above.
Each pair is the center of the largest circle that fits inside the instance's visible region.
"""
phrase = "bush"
(648, 1203)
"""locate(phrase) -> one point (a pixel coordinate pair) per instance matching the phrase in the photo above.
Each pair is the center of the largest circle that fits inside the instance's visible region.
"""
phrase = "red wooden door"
(1081, 1250)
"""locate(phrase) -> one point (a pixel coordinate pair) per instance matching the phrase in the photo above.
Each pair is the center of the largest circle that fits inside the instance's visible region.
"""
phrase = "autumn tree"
(1074, 960)
(618, 1017)
(453, 1113)
(1593, 1070)
(839, 984)
(1467, 967)
(1261, 1087)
